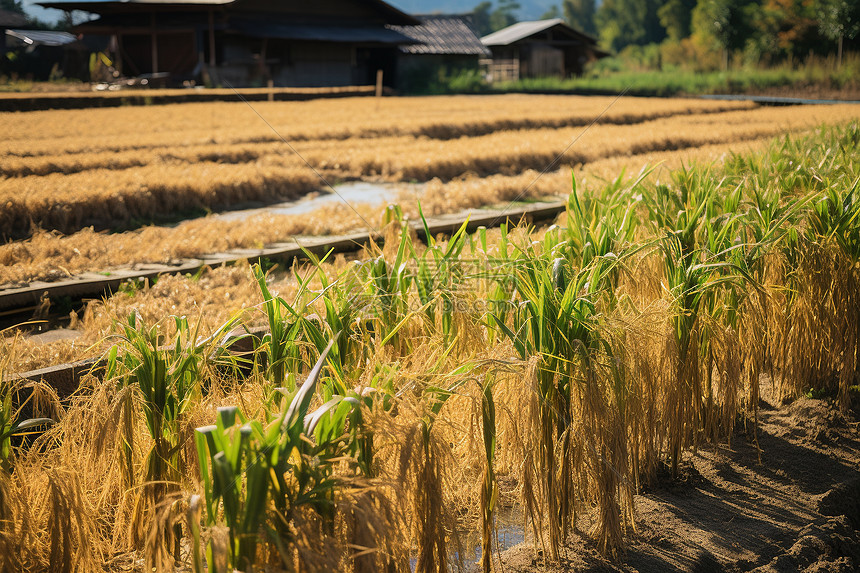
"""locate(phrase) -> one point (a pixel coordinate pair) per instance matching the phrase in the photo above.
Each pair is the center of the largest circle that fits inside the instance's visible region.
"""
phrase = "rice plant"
(163, 382)
(422, 461)
(489, 487)
(557, 326)
(11, 423)
(387, 288)
(260, 477)
(285, 325)
(14, 397)
(824, 297)
(438, 275)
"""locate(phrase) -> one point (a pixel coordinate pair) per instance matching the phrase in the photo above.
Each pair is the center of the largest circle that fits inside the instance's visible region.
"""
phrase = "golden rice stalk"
(371, 526)
(69, 522)
(816, 334)
(162, 551)
(421, 460)
(17, 537)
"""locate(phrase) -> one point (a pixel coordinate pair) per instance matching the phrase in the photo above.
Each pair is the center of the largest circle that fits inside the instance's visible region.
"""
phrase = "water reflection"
(354, 193)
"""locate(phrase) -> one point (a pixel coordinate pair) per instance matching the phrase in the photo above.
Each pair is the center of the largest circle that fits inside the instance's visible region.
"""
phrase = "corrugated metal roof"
(11, 19)
(93, 5)
(391, 13)
(358, 34)
(522, 30)
(41, 38)
(447, 35)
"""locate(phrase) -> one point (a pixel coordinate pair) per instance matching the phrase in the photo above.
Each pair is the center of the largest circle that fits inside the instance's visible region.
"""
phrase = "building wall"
(314, 64)
(543, 61)
(529, 59)
(505, 66)
(176, 52)
(253, 62)
(184, 43)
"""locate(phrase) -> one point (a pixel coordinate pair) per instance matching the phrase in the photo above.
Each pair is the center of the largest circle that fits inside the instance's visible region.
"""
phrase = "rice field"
(84, 173)
(404, 396)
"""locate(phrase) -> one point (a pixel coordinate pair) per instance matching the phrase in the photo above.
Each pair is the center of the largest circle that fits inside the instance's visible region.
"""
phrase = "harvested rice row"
(69, 131)
(46, 256)
(325, 152)
(71, 163)
(80, 196)
(111, 199)
(509, 153)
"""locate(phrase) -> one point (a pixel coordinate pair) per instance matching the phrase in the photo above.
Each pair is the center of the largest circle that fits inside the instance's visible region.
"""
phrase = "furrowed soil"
(796, 510)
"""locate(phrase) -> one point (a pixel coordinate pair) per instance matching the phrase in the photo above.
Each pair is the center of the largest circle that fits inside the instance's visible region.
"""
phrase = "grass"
(673, 82)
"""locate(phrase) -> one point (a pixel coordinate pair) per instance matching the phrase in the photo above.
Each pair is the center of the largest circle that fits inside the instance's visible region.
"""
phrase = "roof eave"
(97, 7)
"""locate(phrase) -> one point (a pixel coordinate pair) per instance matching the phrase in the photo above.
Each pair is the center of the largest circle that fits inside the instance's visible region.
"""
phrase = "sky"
(44, 14)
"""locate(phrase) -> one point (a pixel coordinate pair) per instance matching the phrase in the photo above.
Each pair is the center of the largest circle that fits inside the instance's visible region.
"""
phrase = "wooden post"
(154, 37)
(263, 45)
(378, 83)
(839, 53)
(271, 89)
(118, 63)
(211, 41)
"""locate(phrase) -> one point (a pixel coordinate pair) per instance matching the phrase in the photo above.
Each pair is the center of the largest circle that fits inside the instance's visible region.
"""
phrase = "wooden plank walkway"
(65, 378)
(98, 284)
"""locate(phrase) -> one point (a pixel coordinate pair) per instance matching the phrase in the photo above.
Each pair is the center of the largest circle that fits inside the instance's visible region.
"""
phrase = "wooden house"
(540, 49)
(249, 42)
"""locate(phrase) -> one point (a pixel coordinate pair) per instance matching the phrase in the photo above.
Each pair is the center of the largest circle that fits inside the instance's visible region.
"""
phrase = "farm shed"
(539, 49)
(444, 45)
(249, 42)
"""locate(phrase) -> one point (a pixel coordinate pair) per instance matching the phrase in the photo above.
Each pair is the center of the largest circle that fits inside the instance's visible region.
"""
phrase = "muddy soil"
(797, 510)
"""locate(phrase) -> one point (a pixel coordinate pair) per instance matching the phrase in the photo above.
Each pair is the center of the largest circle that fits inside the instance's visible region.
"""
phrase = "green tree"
(789, 26)
(551, 14)
(13, 6)
(837, 20)
(580, 15)
(625, 22)
(481, 18)
(676, 17)
(504, 14)
(723, 25)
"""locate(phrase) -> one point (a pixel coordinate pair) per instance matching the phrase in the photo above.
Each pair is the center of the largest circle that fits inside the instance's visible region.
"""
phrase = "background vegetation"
(707, 34)
(669, 47)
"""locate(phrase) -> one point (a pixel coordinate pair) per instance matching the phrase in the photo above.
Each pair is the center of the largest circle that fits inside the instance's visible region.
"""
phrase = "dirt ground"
(797, 510)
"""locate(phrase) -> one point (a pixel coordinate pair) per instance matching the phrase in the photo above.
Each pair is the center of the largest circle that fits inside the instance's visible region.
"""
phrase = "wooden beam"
(154, 37)
(211, 41)
(119, 56)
